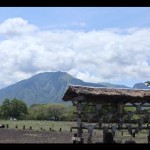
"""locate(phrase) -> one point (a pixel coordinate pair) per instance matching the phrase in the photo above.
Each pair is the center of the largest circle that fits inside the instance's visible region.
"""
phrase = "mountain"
(140, 86)
(42, 88)
(112, 85)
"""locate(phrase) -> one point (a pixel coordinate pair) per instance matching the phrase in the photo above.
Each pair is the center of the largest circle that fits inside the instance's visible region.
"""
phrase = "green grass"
(36, 125)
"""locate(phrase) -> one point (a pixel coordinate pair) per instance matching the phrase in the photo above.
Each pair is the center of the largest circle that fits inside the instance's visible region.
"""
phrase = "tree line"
(18, 109)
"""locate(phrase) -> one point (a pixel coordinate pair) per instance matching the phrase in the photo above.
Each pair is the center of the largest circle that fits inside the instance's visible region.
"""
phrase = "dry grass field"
(45, 135)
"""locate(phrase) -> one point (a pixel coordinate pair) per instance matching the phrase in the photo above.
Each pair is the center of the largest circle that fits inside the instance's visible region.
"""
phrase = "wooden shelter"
(82, 96)
(106, 95)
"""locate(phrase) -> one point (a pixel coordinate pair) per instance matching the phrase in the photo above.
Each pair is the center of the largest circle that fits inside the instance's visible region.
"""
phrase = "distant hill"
(112, 85)
(140, 86)
(49, 87)
(42, 88)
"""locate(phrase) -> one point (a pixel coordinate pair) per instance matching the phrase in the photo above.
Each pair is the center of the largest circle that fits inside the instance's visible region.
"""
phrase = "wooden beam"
(78, 98)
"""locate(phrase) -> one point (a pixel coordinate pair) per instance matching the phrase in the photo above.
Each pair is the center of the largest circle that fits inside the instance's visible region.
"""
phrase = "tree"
(147, 83)
(56, 110)
(1, 115)
(5, 109)
(38, 112)
(18, 108)
(68, 114)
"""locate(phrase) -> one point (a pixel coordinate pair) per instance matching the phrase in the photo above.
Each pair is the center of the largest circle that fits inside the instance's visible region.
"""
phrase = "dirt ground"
(30, 136)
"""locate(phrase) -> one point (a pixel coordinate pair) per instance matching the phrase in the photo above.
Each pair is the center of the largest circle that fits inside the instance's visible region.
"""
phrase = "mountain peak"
(113, 85)
(140, 86)
(44, 87)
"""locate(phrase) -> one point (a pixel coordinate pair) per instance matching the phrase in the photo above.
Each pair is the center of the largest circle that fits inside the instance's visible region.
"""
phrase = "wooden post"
(104, 134)
(148, 137)
(120, 108)
(122, 133)
(30, 127)
(24, 127)
(79, 130)
(71, 129)
(108, 137)
(74, 141)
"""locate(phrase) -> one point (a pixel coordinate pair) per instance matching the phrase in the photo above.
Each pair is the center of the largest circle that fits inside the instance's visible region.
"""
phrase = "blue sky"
(94, 17)
(95, 44)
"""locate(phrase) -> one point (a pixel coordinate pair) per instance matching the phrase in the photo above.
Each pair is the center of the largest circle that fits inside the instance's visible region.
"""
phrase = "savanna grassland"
(41, 133)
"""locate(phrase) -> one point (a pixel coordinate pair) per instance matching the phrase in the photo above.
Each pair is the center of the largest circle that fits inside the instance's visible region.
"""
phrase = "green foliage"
(15, 108)
(5, 109)
(147, 82)
(129, 109)
(109, 108)
(106, 108)
(91, 108)
(69, 115)
(56, 110)
(49, 111)
(1, 115)
(18, 108)
(38, 112)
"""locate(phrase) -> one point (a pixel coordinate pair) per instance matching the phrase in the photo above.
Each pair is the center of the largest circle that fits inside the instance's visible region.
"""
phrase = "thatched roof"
(99, 94)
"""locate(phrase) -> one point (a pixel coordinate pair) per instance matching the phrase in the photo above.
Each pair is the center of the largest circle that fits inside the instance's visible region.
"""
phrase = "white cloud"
(109, 55)
(16, 26)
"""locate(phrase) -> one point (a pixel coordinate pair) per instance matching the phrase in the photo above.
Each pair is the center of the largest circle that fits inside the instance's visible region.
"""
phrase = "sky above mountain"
(95, 44)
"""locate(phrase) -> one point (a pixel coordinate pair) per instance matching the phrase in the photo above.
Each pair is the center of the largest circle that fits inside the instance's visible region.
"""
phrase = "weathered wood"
(82, 96)
(108, 137)
(106, 95)
(79, 121)
(78, 98)
(148, 137)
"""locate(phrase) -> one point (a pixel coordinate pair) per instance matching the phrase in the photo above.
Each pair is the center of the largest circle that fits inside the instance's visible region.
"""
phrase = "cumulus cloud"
(16, 26)
(108, 55)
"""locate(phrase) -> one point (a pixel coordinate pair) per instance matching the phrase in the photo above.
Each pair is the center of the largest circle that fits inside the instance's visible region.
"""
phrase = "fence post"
(148, 137)
(71, 129)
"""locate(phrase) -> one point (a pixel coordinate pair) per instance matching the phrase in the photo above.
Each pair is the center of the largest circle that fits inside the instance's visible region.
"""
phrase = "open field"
(38, 135)
(36, 125)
